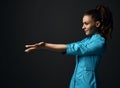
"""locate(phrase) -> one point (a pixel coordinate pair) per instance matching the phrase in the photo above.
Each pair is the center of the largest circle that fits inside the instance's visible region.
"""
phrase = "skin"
(89, 26)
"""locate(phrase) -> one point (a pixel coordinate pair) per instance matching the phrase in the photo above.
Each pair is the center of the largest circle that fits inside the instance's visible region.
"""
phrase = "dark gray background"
(55, 21)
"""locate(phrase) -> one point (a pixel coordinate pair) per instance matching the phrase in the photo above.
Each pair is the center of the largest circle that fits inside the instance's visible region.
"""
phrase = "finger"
(29, 49)
(37, 44)
(40, 44)
(27, 46)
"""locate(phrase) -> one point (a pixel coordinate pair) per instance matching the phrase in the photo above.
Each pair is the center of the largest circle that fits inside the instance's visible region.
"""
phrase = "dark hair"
(103, 14)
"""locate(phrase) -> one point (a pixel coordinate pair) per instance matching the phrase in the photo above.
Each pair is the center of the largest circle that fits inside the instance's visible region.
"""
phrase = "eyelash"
(85, 23)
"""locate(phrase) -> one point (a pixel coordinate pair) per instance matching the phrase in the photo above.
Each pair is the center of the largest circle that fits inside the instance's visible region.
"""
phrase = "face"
(89, 25)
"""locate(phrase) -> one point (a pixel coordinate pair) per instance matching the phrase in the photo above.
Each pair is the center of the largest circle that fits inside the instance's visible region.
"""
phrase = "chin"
(87, 33)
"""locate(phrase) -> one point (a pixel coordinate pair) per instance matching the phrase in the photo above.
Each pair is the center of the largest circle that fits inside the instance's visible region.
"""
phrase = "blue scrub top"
(88, 53)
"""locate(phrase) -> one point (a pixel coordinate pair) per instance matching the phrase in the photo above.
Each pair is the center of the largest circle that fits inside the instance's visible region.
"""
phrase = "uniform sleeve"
(95, 47)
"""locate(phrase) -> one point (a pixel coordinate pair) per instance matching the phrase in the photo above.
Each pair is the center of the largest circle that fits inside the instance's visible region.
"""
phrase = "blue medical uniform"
(88, 53)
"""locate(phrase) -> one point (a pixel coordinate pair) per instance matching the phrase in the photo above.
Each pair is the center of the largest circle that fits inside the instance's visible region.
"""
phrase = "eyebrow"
(85, 22)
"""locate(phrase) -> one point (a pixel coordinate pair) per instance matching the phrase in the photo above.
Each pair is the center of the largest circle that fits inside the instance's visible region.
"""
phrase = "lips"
(85, 30)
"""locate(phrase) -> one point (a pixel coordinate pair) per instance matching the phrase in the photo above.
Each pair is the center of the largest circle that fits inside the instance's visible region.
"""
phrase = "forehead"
(87, 18)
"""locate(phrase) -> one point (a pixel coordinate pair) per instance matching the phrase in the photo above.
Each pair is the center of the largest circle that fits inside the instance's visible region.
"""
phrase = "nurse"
(97, 25)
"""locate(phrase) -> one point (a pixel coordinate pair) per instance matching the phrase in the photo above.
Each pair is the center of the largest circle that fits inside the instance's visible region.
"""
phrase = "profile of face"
(89, 25)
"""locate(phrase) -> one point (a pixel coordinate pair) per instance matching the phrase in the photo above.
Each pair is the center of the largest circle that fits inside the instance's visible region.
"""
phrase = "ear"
(97, 24)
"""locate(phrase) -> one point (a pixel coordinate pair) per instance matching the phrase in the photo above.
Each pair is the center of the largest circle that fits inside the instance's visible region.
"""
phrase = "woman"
(98, 25)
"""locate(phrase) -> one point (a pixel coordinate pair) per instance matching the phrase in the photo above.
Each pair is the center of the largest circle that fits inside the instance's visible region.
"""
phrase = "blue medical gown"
(88, 53)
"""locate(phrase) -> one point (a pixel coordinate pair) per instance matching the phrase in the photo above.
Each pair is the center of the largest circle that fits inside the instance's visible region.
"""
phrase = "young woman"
(98, 25)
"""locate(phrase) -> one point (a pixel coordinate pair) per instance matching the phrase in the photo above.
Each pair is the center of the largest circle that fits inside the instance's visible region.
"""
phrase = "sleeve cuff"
(67, 50)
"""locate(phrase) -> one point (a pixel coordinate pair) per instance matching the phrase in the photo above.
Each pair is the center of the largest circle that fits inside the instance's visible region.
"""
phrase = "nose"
(83, 27)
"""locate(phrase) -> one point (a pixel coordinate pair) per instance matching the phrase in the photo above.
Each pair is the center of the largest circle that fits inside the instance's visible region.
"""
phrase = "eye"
(86, 23)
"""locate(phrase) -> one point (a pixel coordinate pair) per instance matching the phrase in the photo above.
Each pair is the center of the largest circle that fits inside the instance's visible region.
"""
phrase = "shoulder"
(97, 37)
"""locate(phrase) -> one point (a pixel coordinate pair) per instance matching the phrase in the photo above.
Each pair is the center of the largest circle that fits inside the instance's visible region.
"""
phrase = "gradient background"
(55, 21)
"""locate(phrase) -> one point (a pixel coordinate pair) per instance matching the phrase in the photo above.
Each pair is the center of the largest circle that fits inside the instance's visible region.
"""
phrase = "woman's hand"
(47, 46)
(36, 46)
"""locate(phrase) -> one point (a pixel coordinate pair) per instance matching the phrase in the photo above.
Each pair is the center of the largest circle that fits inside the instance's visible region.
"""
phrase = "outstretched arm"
(47, 46)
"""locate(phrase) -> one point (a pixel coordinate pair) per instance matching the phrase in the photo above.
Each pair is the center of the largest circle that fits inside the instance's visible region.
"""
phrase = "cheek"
(90, 27)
